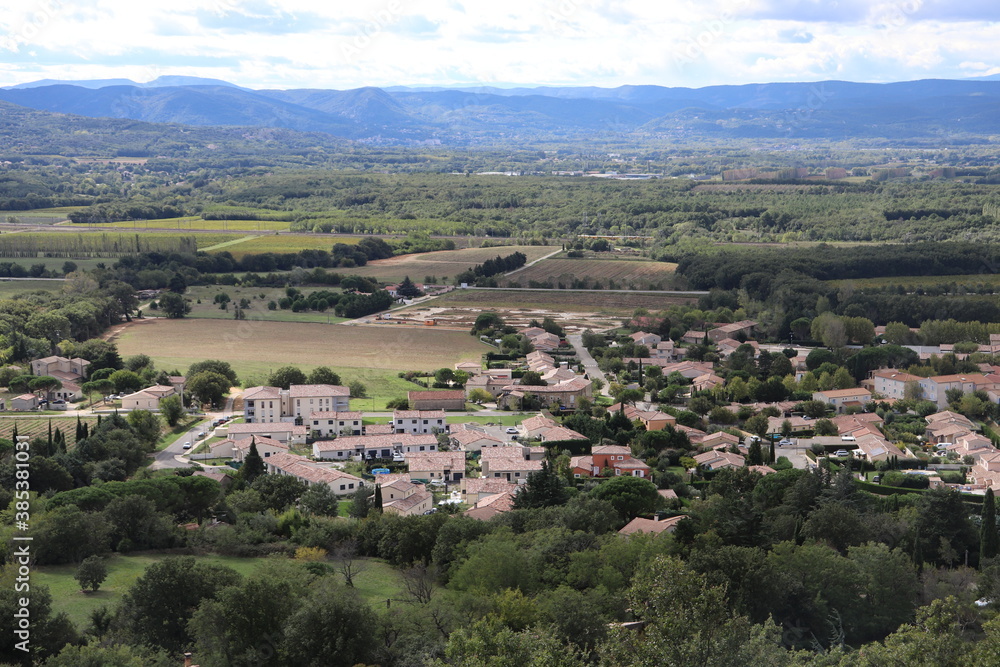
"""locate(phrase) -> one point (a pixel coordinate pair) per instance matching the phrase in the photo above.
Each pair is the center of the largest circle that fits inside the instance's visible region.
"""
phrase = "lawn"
(373, 355)
(608, 273)
(442, 265)
(376, 582)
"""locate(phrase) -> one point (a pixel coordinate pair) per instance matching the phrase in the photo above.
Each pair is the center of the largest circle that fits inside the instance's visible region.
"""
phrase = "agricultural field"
(9, 288)
(373, 355)
(196, 223)
(39, 216)
(258, 310)
(442, 265)
(912, 283)
(376, 582)
(38, 426)
(284, 243)
(581, 301)
(82, 244)
(605, 273)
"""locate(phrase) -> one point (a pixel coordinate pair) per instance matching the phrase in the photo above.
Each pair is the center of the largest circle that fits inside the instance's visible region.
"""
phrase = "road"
(589, 365)
(174, 454)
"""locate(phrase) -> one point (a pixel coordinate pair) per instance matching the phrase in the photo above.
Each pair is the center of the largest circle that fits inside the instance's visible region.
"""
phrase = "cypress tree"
(253, 464)
(14, 436)
(377, 502)
(773, 455)
(989, 539)
(79, 428)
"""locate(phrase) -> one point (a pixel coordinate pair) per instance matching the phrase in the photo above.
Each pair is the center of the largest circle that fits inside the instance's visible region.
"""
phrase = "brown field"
(622, 273)
(254, 348)
(443, 264)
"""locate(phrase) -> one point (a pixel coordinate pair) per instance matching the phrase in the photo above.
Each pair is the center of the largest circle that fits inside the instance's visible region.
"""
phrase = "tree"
(758, 425)
(323, 375)
(543, 489)
(174, 305)
(842, 379)
(126, 382)
(216, 366)
(989, 539)
(533, 379)
(407, 289)
(331, 628)
(172, 409)
(146, 426)
(488, 321)
(360, 503)
(630, 496)
(253, 464)
(208, 387)
(91, 573)
(277, 491)
(357, 389)
(755, 455)
(825, 427)
(480, 396)
(320, 499)
(286, 376)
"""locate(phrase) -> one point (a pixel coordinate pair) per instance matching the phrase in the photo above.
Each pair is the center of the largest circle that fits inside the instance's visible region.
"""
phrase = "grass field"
(40, 216)
(910, 283)
(372, 355)
(443, 264)
(285, 243)
(599, 301)
(9, 288)
(376, 582)
(616, 273)
(207, 309)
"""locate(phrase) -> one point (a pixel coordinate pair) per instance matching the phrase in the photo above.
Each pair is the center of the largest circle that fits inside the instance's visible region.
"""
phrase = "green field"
(38, 426)
(9, 288)
(195, 222)
(284, 243)
(40, 216)
(911, 283)
(208, 309)
(376, 582)
(373, 355)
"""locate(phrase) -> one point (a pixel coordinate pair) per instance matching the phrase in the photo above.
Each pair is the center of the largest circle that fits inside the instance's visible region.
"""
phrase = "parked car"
(841, 453)
(510, 429)
(785, 442)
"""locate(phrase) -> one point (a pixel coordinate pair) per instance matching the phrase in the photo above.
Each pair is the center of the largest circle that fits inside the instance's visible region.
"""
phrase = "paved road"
(174, 455)
(589, 365)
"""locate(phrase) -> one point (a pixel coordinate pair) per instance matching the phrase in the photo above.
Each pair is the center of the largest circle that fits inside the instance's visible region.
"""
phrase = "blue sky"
(339, 44)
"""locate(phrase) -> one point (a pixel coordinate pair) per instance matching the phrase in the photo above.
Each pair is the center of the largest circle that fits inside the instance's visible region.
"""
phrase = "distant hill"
(829, 109)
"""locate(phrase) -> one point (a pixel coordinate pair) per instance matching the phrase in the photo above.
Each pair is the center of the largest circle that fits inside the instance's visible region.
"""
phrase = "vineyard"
(442, 265)
(38, 427)
(44, 244)
(197, 223)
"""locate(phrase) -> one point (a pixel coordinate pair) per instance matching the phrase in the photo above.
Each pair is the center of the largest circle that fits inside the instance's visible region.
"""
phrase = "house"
(614, 458)
(653, 420)
(406, 498)
(513, 464)
(894, 384)
(56, 366)
(487, 382)
(720, 439)
(369, 447)
(437, 466)
(533, 427)
(540, 339)
(655, 526)
(310, 473)
(325, 424)
(693, 337)
(727, 346)
(473, 438)
(475, 489)
(688, 369)
(379, 429)
(560, 434)
(743, 328)
(650, 340)
(470, 367)
(148, 398)
(24, 402)
(841, 399)
(419, 421)
(565, 393)
(874, 447)
(285, 432)
(222, 478)
(665, 349)
(238, 449)
(490, 506)
(273, 404)
(719, 460)
(707, 382)
(444, 399)
(891, 383)
(798, 424)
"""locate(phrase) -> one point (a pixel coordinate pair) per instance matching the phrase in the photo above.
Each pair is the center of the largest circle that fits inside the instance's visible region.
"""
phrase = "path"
(532, 262)
(589, 365)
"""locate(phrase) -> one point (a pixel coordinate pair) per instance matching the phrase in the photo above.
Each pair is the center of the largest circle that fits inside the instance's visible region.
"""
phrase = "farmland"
(602, 273)
(977, 281)
(197, 223)
(38, 426)
(9, 288)
(284, 243)
(599, 301)
(258, 310)
(443, 264)
(373, 355)
(40, 216)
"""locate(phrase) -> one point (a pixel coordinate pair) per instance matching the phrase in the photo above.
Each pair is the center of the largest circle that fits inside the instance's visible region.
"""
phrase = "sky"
(348, 44)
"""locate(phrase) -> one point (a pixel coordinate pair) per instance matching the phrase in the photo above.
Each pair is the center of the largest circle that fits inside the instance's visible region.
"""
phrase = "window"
(576, 474)
(421, 448)
(351, 485)
(341, 487)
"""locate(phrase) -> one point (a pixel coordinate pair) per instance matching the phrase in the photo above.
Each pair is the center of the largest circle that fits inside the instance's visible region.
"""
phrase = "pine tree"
(989, 539)
(253, 464)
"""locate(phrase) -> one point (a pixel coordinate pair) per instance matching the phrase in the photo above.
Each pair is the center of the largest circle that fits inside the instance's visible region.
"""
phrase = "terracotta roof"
(844, 393)
(410, 501)
(436, 461)
(333, 414)
(268, 427)
(303, 468)
(640, 525)
(486, 485)
(244, 443)
(418, 414)
(438, 395)
(258, 393)
(379, 429)
(355, 442)
(307, 390)
(557, 433)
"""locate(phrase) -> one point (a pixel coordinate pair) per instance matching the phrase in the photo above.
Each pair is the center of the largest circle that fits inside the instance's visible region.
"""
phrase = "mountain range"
(925, 109)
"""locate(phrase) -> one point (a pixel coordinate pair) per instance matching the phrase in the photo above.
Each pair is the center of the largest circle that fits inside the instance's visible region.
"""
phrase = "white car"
(510, 429)
(187, 445)
(841, 453)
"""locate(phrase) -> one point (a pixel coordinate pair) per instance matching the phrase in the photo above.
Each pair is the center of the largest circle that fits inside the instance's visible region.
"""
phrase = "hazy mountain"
(155, 83)
(832, 109)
